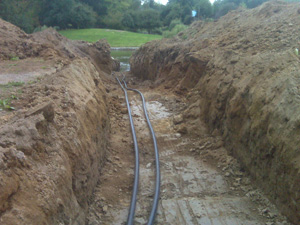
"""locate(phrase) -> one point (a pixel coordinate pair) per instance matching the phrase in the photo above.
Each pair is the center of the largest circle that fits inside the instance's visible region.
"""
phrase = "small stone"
(177, 135)
(227, 174)
(124, 110)
(182, 129)
(235, 184)
(266, 210)
(148, 165)
(178, 119)
(105, 209)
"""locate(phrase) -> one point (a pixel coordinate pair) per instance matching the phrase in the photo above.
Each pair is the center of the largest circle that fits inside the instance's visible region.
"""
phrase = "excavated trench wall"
(52, 149)
(241, 77)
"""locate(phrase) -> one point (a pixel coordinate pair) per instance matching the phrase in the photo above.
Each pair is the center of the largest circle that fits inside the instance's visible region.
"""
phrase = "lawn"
(116, 38)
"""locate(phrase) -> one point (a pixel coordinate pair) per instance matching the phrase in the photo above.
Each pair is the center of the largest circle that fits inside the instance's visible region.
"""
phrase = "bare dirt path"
(201, 184)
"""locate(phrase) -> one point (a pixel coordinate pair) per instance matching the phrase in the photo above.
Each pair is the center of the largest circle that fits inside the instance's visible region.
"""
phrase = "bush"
(174, 23)
(177, 29)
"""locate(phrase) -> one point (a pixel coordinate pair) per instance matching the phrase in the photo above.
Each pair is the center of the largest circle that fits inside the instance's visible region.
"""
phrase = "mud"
(240, 78)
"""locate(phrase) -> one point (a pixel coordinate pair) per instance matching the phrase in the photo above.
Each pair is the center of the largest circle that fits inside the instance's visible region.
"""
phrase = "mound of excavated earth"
(241, 77)
(53, 144)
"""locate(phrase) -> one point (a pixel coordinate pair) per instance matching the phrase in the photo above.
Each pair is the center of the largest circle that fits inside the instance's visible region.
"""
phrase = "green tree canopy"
(67, 14)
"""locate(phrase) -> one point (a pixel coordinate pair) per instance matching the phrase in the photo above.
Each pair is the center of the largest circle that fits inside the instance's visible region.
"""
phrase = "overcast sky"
(162, 1)
(165, 1)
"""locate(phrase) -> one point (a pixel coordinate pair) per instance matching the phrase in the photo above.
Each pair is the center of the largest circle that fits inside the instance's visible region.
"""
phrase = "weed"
(14, 97)
(14, 58)
(12, 84)
(5, 104)
(31, 82)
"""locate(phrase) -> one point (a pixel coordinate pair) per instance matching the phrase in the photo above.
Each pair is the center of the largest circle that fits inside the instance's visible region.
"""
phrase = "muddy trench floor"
(201, 183)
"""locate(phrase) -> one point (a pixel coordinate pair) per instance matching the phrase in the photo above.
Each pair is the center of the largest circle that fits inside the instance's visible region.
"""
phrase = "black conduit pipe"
(131, 213)
(157, 184)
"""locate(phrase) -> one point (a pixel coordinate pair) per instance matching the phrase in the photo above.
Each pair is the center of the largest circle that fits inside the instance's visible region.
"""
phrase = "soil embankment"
(241, 77)
(52, 146)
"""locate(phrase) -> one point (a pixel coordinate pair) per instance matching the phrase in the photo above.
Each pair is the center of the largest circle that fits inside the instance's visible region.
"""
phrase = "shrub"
(178, 28)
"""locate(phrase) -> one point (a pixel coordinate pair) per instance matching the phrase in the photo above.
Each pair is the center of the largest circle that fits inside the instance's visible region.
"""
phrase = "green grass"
(115, 38)
(14, 59)
(11, 84)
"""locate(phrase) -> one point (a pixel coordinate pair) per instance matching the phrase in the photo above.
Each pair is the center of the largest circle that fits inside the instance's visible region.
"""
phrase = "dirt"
(53, 145)
(201, 182)
(240, 78)
(213, 93)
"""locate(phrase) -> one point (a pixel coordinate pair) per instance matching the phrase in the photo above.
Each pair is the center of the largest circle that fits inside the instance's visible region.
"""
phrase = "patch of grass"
(12, 84)
(6, 104)
(115, 38)
(14, 59)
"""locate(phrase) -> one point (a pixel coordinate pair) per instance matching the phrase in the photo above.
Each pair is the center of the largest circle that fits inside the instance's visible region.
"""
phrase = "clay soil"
(66, 152)
(240, 77)
(201, 183)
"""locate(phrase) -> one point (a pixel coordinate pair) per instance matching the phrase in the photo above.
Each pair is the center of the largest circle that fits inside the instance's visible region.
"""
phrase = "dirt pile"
(241, 77)
(53, 145)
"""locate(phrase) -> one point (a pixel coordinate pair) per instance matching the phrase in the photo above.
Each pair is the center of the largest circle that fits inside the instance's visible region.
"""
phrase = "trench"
(201, 183)
(123, 54)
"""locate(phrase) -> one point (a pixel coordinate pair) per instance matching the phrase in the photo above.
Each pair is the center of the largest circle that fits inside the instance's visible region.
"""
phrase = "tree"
(223, 8)
(148, 19)
(21, 13)
(203, 9)
(67, 14)
(82, 16)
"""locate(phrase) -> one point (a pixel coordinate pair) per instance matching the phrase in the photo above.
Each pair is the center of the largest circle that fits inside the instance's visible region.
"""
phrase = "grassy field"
(115, 38)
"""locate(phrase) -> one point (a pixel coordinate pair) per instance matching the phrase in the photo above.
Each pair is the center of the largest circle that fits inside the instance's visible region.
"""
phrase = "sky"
(162, 1)
(166, 1)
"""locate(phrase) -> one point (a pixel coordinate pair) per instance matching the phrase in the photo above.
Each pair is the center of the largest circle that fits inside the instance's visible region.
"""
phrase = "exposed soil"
(53, 144)
(226, 125)
(201, 183)
(240, 77)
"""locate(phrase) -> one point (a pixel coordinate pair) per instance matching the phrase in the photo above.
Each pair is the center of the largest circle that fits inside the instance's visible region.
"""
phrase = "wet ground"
(201, 184)
(123, 55)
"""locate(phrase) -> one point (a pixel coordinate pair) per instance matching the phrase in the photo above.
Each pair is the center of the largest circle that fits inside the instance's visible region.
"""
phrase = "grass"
(116, 38)
(14, 59)
(6, 104)
(6, 100)
(11, 84)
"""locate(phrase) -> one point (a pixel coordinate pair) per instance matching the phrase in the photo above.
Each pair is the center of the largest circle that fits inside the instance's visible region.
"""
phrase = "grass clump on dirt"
(6, 103)
(6, 97)
(14, 59)
(12, 84)
(116, 38)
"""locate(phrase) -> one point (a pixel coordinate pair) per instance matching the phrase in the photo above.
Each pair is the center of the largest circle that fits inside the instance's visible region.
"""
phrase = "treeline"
(134, 15)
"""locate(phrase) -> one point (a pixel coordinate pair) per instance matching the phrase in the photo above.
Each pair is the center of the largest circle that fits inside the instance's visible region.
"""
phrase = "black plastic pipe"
(157, 165)
(131, 213)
